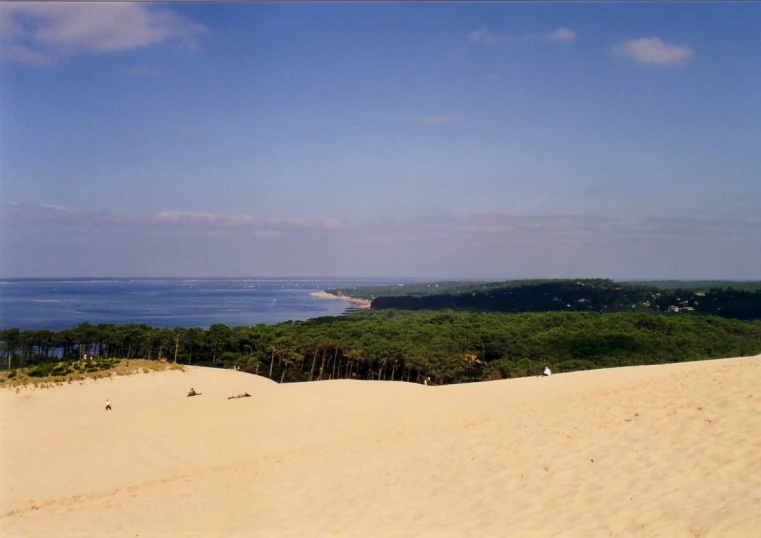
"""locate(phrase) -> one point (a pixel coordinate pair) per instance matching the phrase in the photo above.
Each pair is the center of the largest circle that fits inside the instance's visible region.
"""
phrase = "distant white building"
(673, 308)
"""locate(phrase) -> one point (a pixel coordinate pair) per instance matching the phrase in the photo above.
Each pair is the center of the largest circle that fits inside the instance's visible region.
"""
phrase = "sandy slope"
(669, 450)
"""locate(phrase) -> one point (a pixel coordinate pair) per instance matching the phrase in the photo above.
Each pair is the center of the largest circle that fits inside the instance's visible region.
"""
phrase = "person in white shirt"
(547, 371)
(108, 405)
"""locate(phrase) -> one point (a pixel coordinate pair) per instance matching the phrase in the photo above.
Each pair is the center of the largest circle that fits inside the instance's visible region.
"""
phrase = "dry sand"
(670, 450)
(360, 303)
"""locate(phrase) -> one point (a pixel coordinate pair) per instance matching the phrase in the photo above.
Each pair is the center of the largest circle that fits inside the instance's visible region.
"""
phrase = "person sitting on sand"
(108, 404)
(547, 372)
(192, 392)
(244, 395)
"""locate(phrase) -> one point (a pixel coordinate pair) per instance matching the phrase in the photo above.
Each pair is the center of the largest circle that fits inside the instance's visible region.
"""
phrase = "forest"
(699, 285)
(589, 295)
(448, 346)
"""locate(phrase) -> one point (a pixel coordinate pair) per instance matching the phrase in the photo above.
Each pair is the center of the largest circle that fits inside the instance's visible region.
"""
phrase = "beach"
(360, 303)
(670, 450)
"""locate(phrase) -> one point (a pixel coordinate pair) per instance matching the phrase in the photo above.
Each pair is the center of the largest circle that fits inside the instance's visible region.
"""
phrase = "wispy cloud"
(43, 34)
(186, 131)
(140, 71)
(21, 54)
(653, 50)
(562, 35)
(703, 227)
(510, 246)
(482, 229)
(63, 217)
(440, 120)
(251, 222)
(553, 230)
(496, 227)
(487, 37)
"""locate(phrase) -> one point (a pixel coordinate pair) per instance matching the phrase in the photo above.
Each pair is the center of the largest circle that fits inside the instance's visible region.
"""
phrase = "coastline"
(361, 303)
(195, 303)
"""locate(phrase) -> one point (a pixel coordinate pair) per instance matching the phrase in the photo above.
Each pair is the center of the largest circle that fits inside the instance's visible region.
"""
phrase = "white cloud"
(440, 120)
(44, 33)
(189, 132)
(652, 50)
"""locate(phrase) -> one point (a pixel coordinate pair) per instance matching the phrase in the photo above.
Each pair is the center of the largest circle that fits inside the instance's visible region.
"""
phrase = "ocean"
(59, 303)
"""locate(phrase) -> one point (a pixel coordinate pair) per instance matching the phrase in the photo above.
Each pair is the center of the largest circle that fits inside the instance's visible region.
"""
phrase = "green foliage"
(64, 368)
(43, 370)
(446, 345)
(51, 373)
(700, 285)
(501, 369)
(575, 365)
(590, 295)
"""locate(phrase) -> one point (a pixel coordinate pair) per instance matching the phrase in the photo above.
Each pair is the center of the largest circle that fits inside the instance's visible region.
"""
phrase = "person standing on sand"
(108, 404)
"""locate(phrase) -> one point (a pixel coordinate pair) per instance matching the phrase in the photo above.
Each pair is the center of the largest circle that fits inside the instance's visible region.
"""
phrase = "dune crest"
(653, 450)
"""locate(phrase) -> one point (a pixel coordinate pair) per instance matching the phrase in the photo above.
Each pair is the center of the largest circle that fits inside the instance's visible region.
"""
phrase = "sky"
(426, 139)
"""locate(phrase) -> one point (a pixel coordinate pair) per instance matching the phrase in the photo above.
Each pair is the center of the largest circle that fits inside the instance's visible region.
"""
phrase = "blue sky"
(452, 140)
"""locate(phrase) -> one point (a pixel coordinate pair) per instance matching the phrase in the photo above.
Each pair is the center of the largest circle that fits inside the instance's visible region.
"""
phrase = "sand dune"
(671, 450)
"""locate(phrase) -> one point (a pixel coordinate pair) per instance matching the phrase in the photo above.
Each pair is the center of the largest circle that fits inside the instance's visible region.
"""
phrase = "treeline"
(417, 289)
(447, 346)
(455, 287)
(698, 285)
(581, 296)
(425, 289)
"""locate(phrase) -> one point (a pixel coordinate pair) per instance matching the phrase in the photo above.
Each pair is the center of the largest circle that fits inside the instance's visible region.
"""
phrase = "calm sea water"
(60, 304)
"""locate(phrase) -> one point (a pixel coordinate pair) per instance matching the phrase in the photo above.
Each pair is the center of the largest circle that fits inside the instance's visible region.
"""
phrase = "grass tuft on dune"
(48, 375)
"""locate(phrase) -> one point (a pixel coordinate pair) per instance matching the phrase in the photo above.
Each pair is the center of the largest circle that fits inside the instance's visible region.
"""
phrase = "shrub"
(500, 369)
(61, 369)
(576, 364)
(42, 370)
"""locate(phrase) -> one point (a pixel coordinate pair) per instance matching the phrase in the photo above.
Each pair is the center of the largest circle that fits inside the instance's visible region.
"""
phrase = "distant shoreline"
(361, 303)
